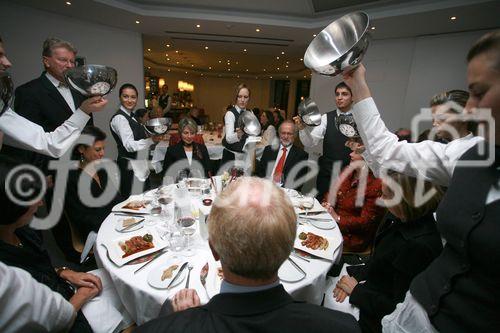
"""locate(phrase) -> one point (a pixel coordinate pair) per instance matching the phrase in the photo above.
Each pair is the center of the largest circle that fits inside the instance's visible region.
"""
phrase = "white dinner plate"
(115, 252)
(325, 252)
(154, 276)
(120, 207)
(213, 279)
(288, 273)
(119, 225)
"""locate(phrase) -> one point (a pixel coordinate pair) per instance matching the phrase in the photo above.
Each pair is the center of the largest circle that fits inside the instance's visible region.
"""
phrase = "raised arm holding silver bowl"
(91, 80)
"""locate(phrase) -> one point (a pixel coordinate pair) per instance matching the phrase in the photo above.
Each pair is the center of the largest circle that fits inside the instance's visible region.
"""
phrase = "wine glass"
(186, 223)
(308, 203)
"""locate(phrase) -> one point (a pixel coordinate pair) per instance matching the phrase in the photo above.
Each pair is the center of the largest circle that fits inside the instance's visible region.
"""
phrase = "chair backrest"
(175, 138)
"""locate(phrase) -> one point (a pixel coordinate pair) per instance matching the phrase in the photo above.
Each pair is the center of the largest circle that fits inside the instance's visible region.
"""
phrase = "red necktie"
(279, 168)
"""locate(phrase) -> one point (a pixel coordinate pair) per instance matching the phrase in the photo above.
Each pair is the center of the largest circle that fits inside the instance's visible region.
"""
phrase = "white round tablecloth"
(143, 302)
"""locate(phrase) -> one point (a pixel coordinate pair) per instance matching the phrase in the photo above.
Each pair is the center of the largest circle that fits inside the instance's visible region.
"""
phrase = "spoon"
(190, 267)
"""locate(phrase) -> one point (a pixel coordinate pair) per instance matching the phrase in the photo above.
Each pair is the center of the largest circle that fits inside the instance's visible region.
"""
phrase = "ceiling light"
(220, 61)
(286, 66)
(192, 65)
(264, 69)
(168, 70)
(277, 68)
(244, 50)
(373, 28)
(201, 74)
(198, 26)
(176, 51)
(237, 63)
(286, 76)
(282, 52)
(206, 47)
(304, 76)
(246, 70)
(288, 62)
(277, 58)
(453, 18)
(68, 3)
(168, 45)
(168, 59)
(210, 67)
(238, 76)
(229, 69)
(166, 54)
(314, 35)
(186, 72)
(301, 59)
(137, 22)
(149, 67)
(258, 30)
(177, 62)
(149, 50)
(270, 77)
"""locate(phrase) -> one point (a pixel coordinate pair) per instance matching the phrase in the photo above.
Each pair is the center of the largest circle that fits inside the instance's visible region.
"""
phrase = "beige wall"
(214, 93)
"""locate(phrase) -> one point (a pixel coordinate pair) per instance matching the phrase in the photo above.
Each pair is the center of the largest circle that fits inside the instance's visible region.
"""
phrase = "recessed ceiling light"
(168, 45)
(305, 76)
(229, 69)
(149, 50)
(246, 70)
(168, 59)
(286, 76)
(314, 35)
(166, 54)
(282, 52)
(198, 26)
(237, 63)
(192, 65)
(286, 66)
(244, 50)
(270, 77)
(206, 47)
(168, 70)
(210, 67)
(258, 30)
(301, 59)
(176, 51)
(220, 61)
(68, 3)
(264, 69)
(186, 72)
(277, 58)
(288, 62)
(137, 22)
(373, 28)
(201, 74)
(238, 76)
(453, 18)
(177, 62)
(149, 67)
(277, 68)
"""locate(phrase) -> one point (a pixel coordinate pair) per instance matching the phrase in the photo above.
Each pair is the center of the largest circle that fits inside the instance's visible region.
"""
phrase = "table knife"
(296, 266)
(158, 254)
(184, 265)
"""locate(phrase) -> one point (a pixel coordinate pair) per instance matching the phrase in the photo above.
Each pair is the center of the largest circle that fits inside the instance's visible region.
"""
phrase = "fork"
(190, 267)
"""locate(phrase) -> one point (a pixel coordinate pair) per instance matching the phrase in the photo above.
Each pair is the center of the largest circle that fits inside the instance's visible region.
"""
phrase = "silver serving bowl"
(309, 112)
(91, 80)
(346, 125)
(6, 91)
(249, 123)
(340, 47)
(158, 126)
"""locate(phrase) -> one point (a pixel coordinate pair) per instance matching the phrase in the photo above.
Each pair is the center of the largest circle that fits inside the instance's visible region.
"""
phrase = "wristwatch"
(60, 269)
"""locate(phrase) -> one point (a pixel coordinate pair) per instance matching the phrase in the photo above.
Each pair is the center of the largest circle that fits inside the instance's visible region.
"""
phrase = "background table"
(143, 302)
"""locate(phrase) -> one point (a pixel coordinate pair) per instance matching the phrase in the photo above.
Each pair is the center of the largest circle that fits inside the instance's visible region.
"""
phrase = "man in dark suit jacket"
(251, 248)
(47, 100)
(270, 166)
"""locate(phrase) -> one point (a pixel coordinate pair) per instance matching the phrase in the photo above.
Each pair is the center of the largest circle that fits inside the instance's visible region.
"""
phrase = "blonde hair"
(412, 209)
(252, 227)
(239, 87)
(52, 43)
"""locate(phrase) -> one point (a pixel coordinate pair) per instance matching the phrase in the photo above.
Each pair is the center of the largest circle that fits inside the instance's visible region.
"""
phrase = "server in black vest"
(165, 101)
(459, 291)
(47, 100)
(334, 148)
(234, 138)
(130, 137)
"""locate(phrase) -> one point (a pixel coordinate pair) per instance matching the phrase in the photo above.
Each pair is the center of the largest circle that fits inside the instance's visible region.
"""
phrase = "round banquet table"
(143, 302)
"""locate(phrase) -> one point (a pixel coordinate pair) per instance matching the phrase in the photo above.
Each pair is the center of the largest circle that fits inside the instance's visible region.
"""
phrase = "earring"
(81, 158)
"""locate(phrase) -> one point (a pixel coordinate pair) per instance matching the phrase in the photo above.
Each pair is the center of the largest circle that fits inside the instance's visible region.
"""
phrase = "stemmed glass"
(308, 203)
(186, 220)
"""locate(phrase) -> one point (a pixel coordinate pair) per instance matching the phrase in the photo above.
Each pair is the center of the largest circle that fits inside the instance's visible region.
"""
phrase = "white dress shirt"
(121, 127)
(63, 90)
(310, 136)
(229, 120)
(22, 133)
(29, 306)
(431, 160)
(189, 155)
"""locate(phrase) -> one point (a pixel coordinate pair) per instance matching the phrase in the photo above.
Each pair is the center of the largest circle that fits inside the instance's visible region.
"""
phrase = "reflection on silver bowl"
(158, 126)
(249, 123)
(92, 80)
(340, 47)
(6, 91)
(309, 112)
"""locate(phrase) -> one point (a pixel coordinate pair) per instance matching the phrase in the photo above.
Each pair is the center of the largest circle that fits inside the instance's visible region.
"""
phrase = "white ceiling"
(227, 27)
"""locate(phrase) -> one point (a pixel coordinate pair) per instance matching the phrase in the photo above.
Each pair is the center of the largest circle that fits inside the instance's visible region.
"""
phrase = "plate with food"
(214, 277)
(302, 205)
(129, 224)
(135, 204)
(136, 244)
(197, 183)
(313, 241)
(160, 276)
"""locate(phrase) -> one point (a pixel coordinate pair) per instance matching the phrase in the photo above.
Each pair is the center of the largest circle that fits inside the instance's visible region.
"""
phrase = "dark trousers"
(127, 178)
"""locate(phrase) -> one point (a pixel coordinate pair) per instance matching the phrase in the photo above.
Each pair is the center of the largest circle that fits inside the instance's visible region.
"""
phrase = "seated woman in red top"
(357, 219)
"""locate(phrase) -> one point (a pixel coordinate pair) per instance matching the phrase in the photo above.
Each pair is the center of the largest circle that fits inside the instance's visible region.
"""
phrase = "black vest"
(334, 148)
(237, 146)
(460, 290)
(138, 131)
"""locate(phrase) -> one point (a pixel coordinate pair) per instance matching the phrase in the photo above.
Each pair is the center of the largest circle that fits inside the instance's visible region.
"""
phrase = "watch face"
(347, 130)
